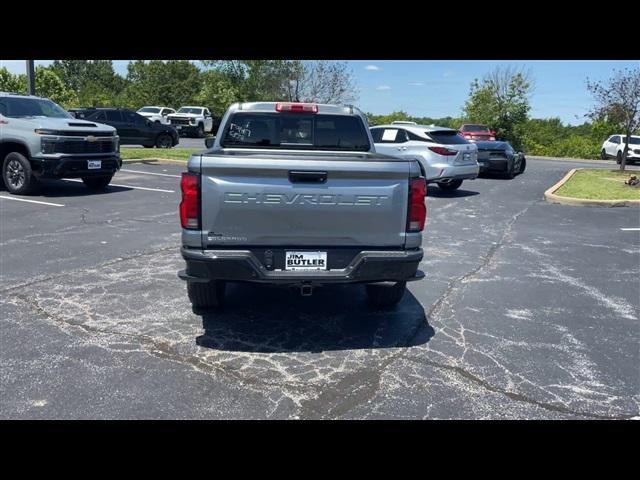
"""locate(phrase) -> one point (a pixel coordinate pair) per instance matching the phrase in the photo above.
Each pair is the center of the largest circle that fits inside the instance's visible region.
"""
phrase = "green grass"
(166, 153)
(600, 184)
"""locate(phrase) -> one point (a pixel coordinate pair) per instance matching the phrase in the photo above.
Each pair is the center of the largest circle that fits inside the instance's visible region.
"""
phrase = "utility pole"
(31, 78)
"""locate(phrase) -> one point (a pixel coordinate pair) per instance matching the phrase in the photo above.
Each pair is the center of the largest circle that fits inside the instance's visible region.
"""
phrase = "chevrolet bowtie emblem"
(91, 138)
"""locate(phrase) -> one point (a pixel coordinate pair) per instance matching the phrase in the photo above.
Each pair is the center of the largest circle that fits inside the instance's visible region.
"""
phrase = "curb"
(551, 197)
(153, 161)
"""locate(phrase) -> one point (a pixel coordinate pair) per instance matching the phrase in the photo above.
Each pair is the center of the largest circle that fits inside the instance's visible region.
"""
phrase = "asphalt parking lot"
(185, 142)
(528, 310)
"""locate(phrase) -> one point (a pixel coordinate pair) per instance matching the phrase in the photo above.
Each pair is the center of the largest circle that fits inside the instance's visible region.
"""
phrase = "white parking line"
(126, 186)
(630, 229)
(151, 173)
(32, 201)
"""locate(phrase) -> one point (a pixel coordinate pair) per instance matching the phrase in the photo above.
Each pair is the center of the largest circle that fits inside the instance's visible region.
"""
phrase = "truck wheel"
(200, 131)
(164, 141)
(450, 186)
(205, 296)
(17, 174)
(382, 295)
(97, 183)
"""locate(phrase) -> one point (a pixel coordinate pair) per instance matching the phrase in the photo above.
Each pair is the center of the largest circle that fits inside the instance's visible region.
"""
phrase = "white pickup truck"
(192, 121)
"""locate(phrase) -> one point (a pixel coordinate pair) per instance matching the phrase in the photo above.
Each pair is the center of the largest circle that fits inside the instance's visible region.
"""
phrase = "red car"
(474, 132)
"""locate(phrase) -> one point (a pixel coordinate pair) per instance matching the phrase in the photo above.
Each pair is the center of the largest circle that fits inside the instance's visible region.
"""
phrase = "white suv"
(613, 147)
(157, 114)
(444, 156)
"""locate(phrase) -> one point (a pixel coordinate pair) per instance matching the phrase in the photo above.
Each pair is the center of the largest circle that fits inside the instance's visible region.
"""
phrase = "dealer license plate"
(297, 261)
(94, 164)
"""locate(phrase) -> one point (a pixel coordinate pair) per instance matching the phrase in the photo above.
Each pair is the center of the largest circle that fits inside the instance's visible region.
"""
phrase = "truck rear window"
(295, 132)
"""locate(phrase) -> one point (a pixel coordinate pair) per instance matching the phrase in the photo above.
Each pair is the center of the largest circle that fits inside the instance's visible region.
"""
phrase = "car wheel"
(97, 183)
(157, 122)
(17, 174)
(619, 158)
(200, 131)
(510, 173)
(523, 165)
(603, 154)
(450, 186)
(385, 295)
(164, 141)
(206, 296)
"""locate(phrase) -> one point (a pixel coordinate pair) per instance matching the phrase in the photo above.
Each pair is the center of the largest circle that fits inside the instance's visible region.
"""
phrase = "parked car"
(192, 121)
(613, 147)
(133, 128)
(39, 139)
(157, 114)
(500, 157)
(445, 158)
(294, 194)
(474, 132)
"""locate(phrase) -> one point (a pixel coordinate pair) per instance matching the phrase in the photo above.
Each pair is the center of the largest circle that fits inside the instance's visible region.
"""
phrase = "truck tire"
(200, 131)
(97, 183)
(382, 295)
(450, 186)
(17, 174)
(206, 296)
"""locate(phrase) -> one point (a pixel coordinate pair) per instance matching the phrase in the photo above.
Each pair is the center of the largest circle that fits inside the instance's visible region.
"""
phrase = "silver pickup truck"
(294, 194)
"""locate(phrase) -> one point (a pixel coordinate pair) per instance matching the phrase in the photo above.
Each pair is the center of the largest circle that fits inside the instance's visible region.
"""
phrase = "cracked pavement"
(528, 310)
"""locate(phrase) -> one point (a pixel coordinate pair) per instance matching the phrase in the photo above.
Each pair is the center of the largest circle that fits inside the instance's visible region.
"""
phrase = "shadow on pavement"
(435, 191)
(269, 319)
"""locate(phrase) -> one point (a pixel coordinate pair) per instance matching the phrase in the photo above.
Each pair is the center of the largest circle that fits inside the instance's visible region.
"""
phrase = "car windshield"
(295, 132)
(15, 107)
(197, 111)
(149, 110)
(475, 128)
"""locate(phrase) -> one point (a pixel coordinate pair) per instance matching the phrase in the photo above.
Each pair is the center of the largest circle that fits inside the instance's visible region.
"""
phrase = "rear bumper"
(74, 166)
(457, 172)
(497, 165)
(244, 266)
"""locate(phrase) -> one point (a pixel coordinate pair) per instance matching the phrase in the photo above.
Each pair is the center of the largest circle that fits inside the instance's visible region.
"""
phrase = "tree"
(217, 92)
(322, 82)
(48, 85)
(618, 100)
(94, 82)
(501, 100)
(171, 83)
(255, 80)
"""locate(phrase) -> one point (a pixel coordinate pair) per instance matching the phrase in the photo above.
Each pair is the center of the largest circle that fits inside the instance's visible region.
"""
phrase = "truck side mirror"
(209, 141)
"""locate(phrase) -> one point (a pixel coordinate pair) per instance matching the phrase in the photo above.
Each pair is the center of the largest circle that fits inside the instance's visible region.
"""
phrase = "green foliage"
(500, 100)
(447, 122)
(48, 84)
(217, 91)
(171, 83)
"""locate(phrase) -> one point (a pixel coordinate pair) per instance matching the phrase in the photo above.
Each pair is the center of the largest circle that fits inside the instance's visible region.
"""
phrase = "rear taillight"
(190, 204)
(443, 151)
(417, 209)
(297, 107)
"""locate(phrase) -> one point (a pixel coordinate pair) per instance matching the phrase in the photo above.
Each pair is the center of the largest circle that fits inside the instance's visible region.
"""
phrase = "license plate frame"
(305, 261)
(94, 164)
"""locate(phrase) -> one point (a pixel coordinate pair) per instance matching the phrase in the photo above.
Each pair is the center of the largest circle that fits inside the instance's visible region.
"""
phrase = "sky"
(437, 88)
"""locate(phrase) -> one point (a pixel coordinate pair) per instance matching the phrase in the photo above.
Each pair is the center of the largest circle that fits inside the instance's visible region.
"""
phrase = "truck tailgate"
(312, 199)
